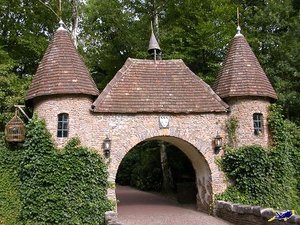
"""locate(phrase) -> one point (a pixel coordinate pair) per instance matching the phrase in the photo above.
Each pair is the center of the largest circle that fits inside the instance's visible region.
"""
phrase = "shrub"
(61, 187)
(266, 177)
(259, 177)
(10, 204)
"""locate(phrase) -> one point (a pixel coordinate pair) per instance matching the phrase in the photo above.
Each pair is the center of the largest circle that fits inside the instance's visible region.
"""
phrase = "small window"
(63, 125)
(258, 123)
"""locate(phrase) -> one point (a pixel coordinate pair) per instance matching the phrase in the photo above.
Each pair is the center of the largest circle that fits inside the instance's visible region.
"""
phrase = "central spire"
(154, 49)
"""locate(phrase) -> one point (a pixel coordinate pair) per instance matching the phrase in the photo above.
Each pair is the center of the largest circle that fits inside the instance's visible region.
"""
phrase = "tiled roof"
(166, 86)
(61, 71)
(241, 74)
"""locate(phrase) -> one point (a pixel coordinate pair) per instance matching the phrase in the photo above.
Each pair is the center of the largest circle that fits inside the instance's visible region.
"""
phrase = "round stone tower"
(62, 90)
(244, 86)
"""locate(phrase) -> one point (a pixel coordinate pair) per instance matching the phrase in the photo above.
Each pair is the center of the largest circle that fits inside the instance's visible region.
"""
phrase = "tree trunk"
(166, 170)
(155, 20)
(75, 18)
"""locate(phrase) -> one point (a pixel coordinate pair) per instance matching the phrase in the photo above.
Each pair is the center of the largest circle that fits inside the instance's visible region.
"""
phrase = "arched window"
(258, 123)
(63, 125)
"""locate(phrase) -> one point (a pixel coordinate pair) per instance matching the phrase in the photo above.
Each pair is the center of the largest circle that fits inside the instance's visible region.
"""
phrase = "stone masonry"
(193, 134)
(243, 109)
(127, 111)
(250, 215)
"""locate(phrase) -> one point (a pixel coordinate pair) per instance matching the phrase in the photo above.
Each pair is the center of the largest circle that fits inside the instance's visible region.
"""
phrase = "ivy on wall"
(10, 203)
(231, 126)
(266, 177)
(66, 186)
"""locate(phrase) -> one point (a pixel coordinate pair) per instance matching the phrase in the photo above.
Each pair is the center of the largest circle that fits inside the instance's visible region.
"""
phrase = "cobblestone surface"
(142, 208)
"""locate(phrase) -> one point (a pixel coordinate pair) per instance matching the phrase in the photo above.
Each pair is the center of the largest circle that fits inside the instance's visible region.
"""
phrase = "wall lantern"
(106, 147)
(218, 143)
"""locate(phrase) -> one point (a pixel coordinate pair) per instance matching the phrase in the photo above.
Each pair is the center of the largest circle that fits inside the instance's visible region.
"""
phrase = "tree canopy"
(110, 31)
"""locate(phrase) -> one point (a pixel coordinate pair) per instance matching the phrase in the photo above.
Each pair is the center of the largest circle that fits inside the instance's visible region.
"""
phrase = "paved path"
(142, 208)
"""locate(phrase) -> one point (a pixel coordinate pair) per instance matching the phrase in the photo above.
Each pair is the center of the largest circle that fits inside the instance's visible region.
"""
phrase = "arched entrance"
(201, 168)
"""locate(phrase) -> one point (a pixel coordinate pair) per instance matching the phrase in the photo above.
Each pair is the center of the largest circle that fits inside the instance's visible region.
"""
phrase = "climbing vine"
(231, 126)
(43, 185)
(266, 177)
(61, 187)
(10, 203)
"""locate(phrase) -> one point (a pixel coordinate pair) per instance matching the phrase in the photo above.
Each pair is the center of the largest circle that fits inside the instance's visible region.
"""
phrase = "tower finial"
(154, 48)
(61, 25)
(238, 29)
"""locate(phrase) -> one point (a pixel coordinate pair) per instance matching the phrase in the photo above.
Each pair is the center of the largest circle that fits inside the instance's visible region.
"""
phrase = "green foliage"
(286, 139)
(141, 167)
(231, 126)
(111, 31)
(259, 177)
(273, 32)
(198, 33)
(10, 204)
(61, 187)
(264, 177)
(25, 31)
(12, 88)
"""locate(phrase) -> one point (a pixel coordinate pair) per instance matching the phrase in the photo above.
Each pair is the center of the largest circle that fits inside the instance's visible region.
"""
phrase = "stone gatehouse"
(154, 100)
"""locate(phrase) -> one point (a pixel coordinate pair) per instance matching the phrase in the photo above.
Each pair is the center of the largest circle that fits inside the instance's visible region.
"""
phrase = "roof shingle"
(165, 86)
(241, 74)
(61, 71)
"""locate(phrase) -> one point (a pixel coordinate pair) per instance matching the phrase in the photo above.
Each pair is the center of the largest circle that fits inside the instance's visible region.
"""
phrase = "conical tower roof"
(241, 74)
(61, 71)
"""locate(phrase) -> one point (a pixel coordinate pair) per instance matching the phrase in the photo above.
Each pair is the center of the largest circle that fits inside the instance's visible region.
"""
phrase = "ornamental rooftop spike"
(238, 29)
(61, 25)
(154, 48)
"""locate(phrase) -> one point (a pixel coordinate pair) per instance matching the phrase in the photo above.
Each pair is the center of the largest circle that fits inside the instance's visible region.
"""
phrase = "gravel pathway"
(142, 208)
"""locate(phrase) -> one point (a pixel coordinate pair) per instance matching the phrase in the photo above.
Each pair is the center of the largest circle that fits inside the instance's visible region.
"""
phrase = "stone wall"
(111, 218)
(243, 109)
(78, 108)
(249, 215)
(192, 133)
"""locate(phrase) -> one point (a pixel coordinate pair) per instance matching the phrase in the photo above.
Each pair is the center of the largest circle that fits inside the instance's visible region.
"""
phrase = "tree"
(198, 33)
(272, 29)
(25, 30)
(110, 31)
(12, 88)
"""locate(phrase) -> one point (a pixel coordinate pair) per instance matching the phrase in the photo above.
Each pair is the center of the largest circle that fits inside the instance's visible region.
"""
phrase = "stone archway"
(202, 171)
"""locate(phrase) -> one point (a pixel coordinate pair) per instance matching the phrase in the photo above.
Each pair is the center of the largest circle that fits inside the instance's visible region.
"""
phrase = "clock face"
(163, 121)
